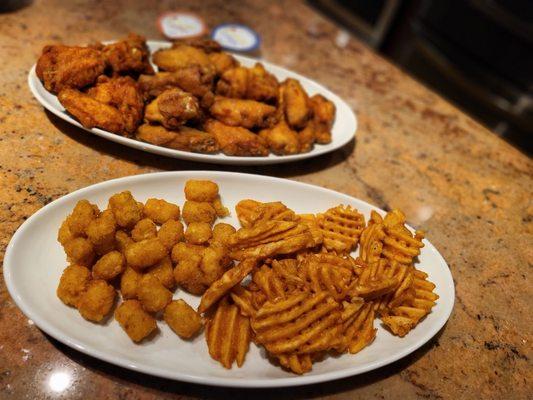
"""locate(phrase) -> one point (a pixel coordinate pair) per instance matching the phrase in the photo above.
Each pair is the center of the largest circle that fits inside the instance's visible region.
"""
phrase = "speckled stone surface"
(470, 191)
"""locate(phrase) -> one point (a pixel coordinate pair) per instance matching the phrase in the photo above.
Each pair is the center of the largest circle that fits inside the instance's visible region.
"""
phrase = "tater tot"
(109, 266)
(80, 251)
(144, 229)
(215, 261)
(145, 253)
(194, 211)
(188, 275)
(198, 190)
(160, 211)
(182, 319)
(198, 233)
(101, 232)
(182, 251)
(219, 208)
(122, 240)
(72, 284)
(96, 302)
(125, 209)
(64, 234)
(83, 213)
(222, 231)
(170, 233)
(129, 282)
(153, 296)
(164, 272)
(136, 322)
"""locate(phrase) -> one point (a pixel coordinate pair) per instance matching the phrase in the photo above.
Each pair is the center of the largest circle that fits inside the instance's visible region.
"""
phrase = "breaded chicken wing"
(62, 67)
(323, 117)
(222, 62)
(281, 139)
(236, 141)
(296, 105)
(173, 108)
(195, 79)
(249, 83)
(183, 138)
(182, 56)
(245, 113)
(128, 56)
(114, 104)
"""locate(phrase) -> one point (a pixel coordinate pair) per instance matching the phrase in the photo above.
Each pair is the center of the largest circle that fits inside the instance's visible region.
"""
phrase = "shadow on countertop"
(145, 159)
(212, 392)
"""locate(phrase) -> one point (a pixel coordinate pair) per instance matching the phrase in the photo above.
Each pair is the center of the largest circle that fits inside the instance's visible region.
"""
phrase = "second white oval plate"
(343, 130)
(34, 262)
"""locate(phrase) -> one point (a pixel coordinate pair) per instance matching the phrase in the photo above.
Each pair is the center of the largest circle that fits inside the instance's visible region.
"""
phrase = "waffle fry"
(312, 223)
(297, 363)
(243, 299)
(374, 281)
(244, 209)
(414, 307)
(222, 286)
(341, 227)
(360, 332)
(269, 239)
(228, 334)
(286, 325)
(271, 211)
(399, 244)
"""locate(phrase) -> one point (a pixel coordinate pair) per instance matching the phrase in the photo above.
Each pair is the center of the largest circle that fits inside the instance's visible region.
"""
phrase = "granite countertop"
(468, 189)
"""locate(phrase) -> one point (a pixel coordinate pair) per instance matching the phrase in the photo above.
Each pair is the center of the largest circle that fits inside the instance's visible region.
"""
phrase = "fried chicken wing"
(236, 141)
(184, 138)
(195, 79)
(323, 117)
(249, 83)
(62, 67)
(245, 113)
(206, 44)
(307, 137)
(173, 108)
(222, 62)
(114, 104)
(296, 104)
(128, 56)
(182, 56)
(281, 139)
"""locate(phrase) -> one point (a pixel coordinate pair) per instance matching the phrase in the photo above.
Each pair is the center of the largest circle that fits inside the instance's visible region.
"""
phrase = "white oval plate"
(34, 262)
(343, 129)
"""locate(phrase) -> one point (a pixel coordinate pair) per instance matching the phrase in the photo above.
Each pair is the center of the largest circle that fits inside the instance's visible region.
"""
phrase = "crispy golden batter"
(73, 283)
(136, 322)
(281, 139)
(182, 56)
(128, 56)
(236, 141)
(60, 67)
(80, 251)
(245, 210)
(97, 300)
(222, 62)
(195, 79)
(323, 117)
(296, 103)
(228, 334)
(249, 83)
(161, 211)
(182, 319)
(109, 266)
(184, 138)
(201, 190)
(245, 113)
(173, 108)
(152, 294)
(170, 233)
(341, 227)
(125, 209)
(144, 229)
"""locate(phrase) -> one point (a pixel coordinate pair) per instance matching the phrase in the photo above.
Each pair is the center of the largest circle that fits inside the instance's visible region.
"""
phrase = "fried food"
(245, 209)
(244, 113)
(270, 238)
(161, 211)
(341, 227)
(222, 232)
(182, 319)
(198, 233)
(129, 283)
(170, 233)
(152, 294)
(195, 79)
(228, 334)
(187, 272)
(198, 211)
(222, 62)
(80, 218)
(144, 229)
(215, 261)
(122, 240)
(323, 118)
(184, 138)
(80, 251)
(201, 190)
(296, 104)
(312, 223)
(249, 83)
(236, 141)
(136, 322)
(180, 56)
(281, 139)
(60, 67)
(164, 272)
(128, 56)
(73, 283)
(125, 209)
(96, 301)
(173, 108)
(144, 254)
(109, 266)
(222, 286)
(101, 232)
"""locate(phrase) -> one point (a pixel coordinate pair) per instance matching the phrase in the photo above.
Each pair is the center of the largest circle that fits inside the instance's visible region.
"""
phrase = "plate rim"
(218, 158)
(300, 380)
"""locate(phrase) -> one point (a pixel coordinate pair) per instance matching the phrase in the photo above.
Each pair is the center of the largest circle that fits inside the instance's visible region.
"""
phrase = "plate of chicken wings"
(190, 100)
